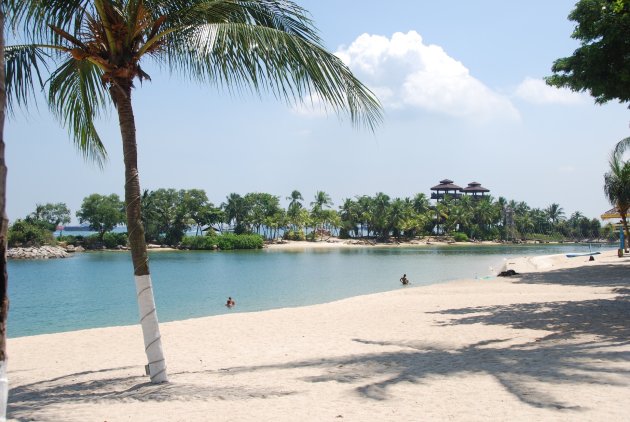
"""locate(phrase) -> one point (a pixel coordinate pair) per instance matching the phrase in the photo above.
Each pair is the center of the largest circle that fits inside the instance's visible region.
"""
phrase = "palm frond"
(35, 16)
(76, 97)
(23, 66)
(622, 146)
(258, 58)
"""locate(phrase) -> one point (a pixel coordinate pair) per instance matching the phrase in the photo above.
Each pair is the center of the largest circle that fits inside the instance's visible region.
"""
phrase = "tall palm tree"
(4, 226)
(349, 214)
(555, 213)
(294, 208)
(260, 45)
(295, 198)
(322, 199)
(617, 188)
(236, 210)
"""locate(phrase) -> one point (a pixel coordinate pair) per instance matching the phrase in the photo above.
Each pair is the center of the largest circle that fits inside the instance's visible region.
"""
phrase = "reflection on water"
(97, 289)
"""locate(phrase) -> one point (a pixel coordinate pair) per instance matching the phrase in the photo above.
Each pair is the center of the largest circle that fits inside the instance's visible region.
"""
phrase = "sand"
(550, 344)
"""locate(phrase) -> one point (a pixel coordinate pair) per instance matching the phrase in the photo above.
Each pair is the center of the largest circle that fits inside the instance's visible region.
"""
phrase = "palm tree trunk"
(121, 95)
(4, 226)
(624, 223)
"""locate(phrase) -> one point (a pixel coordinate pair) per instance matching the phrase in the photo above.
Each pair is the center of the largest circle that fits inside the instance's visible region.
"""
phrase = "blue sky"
(463, 97)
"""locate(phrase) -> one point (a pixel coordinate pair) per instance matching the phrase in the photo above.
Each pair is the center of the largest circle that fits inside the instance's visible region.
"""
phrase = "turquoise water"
(97, 289)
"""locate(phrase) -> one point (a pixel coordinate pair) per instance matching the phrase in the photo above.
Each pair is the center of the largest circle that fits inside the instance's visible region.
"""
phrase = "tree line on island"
(187, 219)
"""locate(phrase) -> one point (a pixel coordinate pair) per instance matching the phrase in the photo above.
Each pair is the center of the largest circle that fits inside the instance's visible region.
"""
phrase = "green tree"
(27, 233)
(102, 213)
(399, 216)
(295, 198)
(349, 218)
(364, 209)
(380, 213)
(165, 215)
(264, 211)
(318, 214)
(262, 45)
(294, 210)
(198, 208)
(555, 214)
(236, 210)
(601, 65)
(51, 215)
(617, 188)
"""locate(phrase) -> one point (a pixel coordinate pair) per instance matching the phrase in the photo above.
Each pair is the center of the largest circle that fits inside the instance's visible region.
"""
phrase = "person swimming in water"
(230, 302)
(404, 280)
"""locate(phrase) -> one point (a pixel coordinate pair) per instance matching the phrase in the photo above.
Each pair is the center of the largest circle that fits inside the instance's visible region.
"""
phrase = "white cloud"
(538, 92)
(406, 73)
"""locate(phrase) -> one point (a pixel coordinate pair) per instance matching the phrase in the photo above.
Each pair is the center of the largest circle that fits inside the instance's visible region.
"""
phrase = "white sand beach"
(551, 344)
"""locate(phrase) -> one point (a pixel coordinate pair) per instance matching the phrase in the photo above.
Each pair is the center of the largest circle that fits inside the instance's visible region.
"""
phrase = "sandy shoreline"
(550, 344)
(334, 242)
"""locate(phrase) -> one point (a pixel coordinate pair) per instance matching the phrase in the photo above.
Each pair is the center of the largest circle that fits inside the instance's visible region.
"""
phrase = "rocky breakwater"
(42, 252)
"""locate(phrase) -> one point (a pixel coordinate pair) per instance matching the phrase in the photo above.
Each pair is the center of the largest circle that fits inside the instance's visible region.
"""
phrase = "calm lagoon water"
(96, 289)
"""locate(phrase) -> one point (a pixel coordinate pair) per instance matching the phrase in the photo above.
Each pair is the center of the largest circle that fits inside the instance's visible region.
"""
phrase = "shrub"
(230, 241)
(70, 240)
(25, 233)
(199, 242)
(93, 241)
(295, 235)
(111, 240)
(460, 237)
(226, 242)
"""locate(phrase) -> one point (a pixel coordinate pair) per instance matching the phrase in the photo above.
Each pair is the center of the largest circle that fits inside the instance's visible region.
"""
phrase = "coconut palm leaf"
(23, 69)
(76, 96)
(622, 146)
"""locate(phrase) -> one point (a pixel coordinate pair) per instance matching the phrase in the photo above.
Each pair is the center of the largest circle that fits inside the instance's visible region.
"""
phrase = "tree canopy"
(601, 65)
(103, 213)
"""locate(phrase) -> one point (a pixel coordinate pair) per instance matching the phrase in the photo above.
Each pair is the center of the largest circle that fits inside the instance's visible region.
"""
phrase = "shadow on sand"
(587, 337)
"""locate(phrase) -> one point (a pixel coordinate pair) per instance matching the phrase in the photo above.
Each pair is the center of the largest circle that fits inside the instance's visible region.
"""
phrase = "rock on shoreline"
(43, 252)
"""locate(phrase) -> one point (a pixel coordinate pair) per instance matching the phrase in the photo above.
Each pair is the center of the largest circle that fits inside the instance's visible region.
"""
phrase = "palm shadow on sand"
(585, 338)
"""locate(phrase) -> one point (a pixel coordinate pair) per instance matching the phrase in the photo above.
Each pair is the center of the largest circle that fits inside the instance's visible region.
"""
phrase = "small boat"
(573, 255)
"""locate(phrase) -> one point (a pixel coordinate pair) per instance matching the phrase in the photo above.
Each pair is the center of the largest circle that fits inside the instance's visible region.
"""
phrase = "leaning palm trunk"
(4, 225)
(121, 95)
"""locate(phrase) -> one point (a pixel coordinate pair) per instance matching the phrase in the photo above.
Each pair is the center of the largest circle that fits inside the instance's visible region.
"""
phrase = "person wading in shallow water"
(404, 280)
(230, 303)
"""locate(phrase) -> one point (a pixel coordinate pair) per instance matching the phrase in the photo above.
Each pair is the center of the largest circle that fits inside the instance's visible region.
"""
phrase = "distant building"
(475, 189)
(447, 187)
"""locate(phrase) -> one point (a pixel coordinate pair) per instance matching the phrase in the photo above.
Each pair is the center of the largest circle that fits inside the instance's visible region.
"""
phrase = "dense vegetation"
(187, 219)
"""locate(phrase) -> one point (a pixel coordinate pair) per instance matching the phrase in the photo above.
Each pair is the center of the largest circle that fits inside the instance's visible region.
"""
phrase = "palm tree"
(555, 214)
(349, 215)
(295, 198)
(294, 208)
(617, 188)
(380, 210)
(622, 146)
(236, 210)
(4, 226)
(322, 199)
(261, 45)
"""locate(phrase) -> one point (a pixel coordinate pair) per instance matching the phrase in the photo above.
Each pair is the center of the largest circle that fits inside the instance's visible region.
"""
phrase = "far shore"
(335, 242)
(549, 343)
(47, 252)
